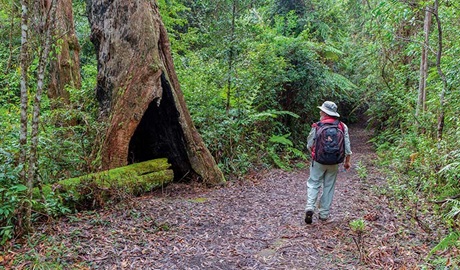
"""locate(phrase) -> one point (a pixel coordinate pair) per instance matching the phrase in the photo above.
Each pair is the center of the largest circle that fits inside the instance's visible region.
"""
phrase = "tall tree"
(421, 102)
(42, 23)
(139, 93)
(231, 55)
(24, 66)
(439, 52)
(65, 66)
(13, 16)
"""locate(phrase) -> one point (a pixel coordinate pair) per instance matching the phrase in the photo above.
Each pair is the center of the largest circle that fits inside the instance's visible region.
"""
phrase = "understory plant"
(282, 151)
(358, 227)
(424, 172)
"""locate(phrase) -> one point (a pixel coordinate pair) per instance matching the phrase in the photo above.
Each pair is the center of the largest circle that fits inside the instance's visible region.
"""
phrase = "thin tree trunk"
(421, 102)
(43, 57)
(42, 62)
(24, 64)
(10, 56)
(440, 73)
(230, 58)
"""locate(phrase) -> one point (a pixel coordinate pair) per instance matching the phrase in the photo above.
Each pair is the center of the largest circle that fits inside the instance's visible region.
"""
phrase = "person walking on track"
(329, 144)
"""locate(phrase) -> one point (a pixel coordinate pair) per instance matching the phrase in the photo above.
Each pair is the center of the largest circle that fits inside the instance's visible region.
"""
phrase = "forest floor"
(256, 223)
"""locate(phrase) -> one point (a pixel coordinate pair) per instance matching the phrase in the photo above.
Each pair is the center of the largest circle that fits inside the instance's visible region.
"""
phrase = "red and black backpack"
(329, 143)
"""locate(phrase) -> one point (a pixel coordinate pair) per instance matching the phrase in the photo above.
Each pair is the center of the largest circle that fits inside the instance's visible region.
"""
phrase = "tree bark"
(24, 64)
(231, 51)
(139, 93)
(10, 38)
(42, 63)
(421, 102)
(65, 67)
(442, 100)
(43, 16)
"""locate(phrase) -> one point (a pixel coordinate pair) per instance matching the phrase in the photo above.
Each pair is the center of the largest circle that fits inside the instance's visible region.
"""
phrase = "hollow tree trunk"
(65, 67)
(139, 92)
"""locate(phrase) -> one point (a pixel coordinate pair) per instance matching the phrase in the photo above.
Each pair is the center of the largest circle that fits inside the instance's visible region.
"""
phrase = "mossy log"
(132, 179)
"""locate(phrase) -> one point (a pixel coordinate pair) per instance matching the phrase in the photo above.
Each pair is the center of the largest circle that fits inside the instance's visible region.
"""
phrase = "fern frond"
(455, 210)
(452, 239)
(277, 160)
(448, 167)
(298, 153)
(271, 114)
(281, 139)
(339, 81)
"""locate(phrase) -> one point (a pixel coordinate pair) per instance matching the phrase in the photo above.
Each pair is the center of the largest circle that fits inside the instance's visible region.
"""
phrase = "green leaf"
(281, 139)
(450, 240)
(18, 188)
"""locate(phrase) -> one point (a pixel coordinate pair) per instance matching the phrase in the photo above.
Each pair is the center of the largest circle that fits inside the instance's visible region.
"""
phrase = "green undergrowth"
(423, 179)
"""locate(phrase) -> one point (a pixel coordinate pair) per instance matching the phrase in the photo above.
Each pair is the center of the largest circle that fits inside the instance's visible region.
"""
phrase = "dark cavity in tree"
(159, 134)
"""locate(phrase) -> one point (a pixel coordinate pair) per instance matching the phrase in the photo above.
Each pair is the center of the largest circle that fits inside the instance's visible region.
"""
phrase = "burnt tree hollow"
(159, 134)
(139, 92)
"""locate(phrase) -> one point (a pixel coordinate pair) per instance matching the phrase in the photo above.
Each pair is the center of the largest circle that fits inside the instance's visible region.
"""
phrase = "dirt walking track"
(252, 224)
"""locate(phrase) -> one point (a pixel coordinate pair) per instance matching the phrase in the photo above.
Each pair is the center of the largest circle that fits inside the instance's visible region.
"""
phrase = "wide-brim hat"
(329, 108)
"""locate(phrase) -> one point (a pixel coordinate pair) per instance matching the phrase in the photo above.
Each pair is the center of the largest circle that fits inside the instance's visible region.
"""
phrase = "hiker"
(329, 144)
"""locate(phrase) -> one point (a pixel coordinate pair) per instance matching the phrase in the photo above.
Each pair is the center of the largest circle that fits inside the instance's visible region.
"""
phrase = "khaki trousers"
(323, 176)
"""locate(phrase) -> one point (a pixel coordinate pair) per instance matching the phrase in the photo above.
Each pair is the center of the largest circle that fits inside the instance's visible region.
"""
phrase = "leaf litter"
(257, 223)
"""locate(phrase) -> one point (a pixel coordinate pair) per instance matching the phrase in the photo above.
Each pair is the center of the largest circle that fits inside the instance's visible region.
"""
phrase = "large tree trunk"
(65, 67)
(139, 92)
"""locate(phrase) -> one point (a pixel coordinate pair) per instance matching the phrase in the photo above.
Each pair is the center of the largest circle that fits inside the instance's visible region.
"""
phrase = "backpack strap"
(341, 126)
(336, 122)
(320, 124)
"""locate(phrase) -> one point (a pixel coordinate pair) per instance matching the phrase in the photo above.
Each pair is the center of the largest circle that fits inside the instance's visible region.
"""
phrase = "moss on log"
(133, 179)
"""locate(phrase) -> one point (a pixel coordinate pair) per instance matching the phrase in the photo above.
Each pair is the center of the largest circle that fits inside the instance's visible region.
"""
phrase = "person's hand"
(347, 164)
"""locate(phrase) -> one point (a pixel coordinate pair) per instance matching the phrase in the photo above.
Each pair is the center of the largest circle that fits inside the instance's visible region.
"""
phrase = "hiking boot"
(309, 217)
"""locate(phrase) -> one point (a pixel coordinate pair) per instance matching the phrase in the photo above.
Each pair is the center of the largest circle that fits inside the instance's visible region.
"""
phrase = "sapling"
(358, 226)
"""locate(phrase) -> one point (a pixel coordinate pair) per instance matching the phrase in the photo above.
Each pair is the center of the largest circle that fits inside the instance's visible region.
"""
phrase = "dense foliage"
(252, 73)
(257, 74)
(422, 159)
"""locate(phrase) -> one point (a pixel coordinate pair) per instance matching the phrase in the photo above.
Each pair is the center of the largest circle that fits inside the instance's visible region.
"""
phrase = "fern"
(450, 167)
(261, 116)
(455, 211)
(297, 153)
(281, 144)
(281, 139)
(452, 239)
(340, 82)
(277, 160)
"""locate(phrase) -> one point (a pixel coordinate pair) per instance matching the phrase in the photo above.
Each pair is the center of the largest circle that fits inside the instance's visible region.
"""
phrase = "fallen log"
(133, 179)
